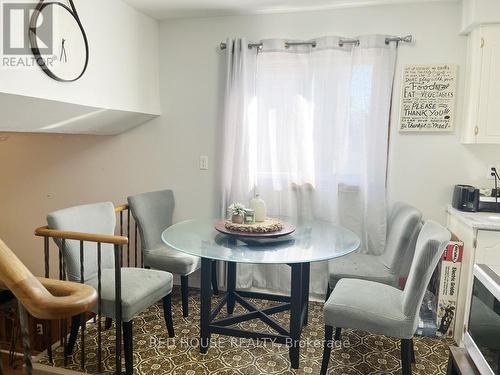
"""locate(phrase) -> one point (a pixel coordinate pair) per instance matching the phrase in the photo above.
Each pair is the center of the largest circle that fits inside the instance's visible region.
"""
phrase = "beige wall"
(41, 173)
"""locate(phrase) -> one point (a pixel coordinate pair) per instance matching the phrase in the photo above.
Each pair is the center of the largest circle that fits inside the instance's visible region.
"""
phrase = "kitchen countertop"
(477, 220)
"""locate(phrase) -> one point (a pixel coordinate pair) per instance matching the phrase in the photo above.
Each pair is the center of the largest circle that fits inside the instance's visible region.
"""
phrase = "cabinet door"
(488, 247)
(489, 92)
(472, 87)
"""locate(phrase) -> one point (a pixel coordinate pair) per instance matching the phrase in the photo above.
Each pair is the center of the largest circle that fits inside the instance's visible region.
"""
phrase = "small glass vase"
(249, 216)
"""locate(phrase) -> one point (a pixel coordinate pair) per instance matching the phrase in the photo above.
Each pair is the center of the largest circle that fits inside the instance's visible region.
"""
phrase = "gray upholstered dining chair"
(383, 309)
(140, 288)
(153, 213)
(403, 227)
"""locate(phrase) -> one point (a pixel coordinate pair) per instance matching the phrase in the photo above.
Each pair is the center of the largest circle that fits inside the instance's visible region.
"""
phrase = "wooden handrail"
(80, 236)
(43, 298)
(122, 207)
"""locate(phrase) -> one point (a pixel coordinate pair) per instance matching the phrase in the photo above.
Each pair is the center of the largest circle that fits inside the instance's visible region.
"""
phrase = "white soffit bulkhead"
(165, 9)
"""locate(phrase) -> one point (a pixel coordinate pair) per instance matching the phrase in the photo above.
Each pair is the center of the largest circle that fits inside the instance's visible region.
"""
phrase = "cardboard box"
(449, 283)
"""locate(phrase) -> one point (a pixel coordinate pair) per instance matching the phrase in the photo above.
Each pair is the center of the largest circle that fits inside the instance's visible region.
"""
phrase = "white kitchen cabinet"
(482, 87)
(480, 233)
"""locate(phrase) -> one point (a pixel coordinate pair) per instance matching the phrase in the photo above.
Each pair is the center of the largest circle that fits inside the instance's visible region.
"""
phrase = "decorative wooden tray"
(257, 230)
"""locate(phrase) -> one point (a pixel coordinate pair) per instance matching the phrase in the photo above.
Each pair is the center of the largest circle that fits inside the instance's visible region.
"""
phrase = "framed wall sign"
(428, 98)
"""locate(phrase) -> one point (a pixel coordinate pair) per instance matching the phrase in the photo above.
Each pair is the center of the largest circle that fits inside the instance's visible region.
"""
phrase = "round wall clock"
(70, 56)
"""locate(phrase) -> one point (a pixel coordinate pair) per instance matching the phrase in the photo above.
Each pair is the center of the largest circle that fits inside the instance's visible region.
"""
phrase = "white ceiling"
(163, 9)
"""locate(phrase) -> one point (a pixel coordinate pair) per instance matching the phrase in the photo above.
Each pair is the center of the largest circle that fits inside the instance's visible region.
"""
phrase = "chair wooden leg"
(215, 285)
(327, 349)
(128, 347)
(108, 323)
(338, 333)
(75, 327)
(167, 314)
(185, 295)
(15, 333)
(406, 356)
(413, 360)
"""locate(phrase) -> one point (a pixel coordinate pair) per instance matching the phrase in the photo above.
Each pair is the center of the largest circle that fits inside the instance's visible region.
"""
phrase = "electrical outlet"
(39, 329)
(490, 171)
(204, 163)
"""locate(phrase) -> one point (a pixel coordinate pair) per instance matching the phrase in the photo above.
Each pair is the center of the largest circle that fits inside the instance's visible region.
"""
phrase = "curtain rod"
(397, 39)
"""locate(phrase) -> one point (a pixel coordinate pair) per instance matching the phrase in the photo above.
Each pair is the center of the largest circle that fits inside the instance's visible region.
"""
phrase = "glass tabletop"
(312, 241)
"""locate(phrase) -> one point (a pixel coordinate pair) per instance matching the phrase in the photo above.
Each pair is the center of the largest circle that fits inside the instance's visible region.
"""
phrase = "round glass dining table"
(312, 241)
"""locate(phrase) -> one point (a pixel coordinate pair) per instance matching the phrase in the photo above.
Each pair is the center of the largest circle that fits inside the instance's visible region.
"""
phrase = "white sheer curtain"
(307, 128)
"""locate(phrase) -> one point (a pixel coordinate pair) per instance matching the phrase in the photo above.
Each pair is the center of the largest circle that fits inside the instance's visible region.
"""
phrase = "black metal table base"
(296, 303)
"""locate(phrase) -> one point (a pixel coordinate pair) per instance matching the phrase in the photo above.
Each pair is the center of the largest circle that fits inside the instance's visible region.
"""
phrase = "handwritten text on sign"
(428, 97)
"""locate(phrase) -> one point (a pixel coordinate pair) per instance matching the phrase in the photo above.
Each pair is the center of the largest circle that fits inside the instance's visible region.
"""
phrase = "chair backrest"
(403, 226)
(97, 218)
(431, 243)
(153, 213)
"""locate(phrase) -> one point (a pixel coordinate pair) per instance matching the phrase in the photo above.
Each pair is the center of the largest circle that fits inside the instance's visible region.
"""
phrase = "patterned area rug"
(360, 353)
